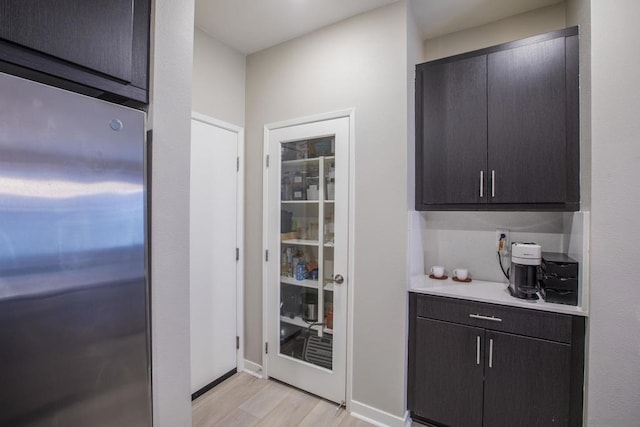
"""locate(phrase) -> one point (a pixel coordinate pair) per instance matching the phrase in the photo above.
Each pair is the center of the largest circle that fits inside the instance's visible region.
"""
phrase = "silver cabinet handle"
(493, 319)
(338, 279)
(493, 183)
(481, 183)
(491, 353)
(478, 350)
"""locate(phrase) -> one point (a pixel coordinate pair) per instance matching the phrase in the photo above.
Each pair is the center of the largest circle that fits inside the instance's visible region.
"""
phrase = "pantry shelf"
(307, 283)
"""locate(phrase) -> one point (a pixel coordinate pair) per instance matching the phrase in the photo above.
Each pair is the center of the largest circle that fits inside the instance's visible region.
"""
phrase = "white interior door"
(306, 238)
(213, 287)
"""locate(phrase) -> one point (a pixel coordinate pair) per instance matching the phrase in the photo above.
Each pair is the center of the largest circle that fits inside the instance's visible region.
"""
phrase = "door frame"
(239, 131)
(350, 114)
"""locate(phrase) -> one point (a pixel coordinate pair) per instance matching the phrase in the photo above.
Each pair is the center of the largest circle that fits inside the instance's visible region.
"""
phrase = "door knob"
(338, 279)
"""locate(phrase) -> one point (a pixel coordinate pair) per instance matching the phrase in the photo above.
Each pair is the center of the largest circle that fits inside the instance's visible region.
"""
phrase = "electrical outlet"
(502, 241)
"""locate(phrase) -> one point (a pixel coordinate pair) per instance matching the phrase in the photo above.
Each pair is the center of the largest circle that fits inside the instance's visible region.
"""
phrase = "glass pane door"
(306, 215)
(306, 250)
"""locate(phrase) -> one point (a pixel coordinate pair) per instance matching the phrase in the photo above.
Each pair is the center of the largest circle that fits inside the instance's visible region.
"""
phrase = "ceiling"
(439, 17)
(249, 26)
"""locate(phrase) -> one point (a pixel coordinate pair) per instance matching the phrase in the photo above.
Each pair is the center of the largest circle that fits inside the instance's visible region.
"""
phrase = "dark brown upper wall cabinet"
(497, 129)
(455, 111)
(96, 47)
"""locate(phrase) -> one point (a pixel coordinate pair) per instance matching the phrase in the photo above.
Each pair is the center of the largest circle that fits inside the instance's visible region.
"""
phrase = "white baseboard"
(253, 368)
(407, 419)
(376, 416)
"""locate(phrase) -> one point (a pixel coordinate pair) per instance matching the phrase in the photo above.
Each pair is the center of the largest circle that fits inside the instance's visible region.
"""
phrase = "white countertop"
(491, 292)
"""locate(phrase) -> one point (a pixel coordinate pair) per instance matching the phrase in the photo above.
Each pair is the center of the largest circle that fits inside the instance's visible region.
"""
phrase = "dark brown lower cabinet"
(448, 379)
(526, 381)
(473, 373)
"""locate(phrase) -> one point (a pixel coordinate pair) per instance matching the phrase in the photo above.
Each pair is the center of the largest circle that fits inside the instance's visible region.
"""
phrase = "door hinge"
(266, 254)
(266, 348)
(237, 342)
(238, 164)
(237, 254)
(267, 160)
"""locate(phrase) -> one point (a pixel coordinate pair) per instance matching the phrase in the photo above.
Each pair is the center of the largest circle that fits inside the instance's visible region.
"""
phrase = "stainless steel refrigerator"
(74, 323)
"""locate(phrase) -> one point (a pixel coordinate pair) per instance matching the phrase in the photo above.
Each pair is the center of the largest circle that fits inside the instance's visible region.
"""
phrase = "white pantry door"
(213, 283)
(307, 241)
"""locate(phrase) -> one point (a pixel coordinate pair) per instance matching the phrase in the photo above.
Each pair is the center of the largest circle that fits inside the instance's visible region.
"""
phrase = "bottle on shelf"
(285, 187)
(331, 189)
(329, 231)
(330, 181)
(301, 271)
(310, 307)
(312, 188)
(299, 186)
(328, 317)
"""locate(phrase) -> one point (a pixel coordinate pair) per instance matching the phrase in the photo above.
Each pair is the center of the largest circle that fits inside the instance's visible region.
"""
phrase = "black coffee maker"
(525, 270)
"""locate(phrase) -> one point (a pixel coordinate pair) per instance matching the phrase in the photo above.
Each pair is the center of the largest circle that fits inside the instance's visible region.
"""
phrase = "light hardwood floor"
(244, 400)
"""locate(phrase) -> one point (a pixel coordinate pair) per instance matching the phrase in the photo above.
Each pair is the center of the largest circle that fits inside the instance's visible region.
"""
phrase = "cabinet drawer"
(560, 269)
(532, 323)
(560, 283)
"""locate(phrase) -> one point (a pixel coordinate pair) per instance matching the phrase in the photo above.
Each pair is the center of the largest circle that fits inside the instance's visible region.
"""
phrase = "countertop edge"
(487, 292)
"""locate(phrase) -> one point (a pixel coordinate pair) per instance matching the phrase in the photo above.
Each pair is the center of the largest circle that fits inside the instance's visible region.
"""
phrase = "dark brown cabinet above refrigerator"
(498, 128)
(98, 48)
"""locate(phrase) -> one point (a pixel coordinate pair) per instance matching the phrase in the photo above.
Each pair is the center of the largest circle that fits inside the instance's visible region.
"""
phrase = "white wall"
(414, 56)
(516, 27)
(614, 342)
(169, 117)
(468, 239)
(218, 79)
(361, 63)
(219, 75)
(579, 13)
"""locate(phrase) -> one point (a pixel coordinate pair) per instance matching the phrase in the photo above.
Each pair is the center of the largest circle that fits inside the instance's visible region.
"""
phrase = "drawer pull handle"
(491, 353)
(478, 350)
(493, 319)
(493, 183)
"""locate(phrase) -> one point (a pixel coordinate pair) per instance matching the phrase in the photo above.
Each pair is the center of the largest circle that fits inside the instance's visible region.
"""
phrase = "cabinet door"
(94, 34)
(526, 381)
(448, 373)
(451, 141)
(527, 123)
